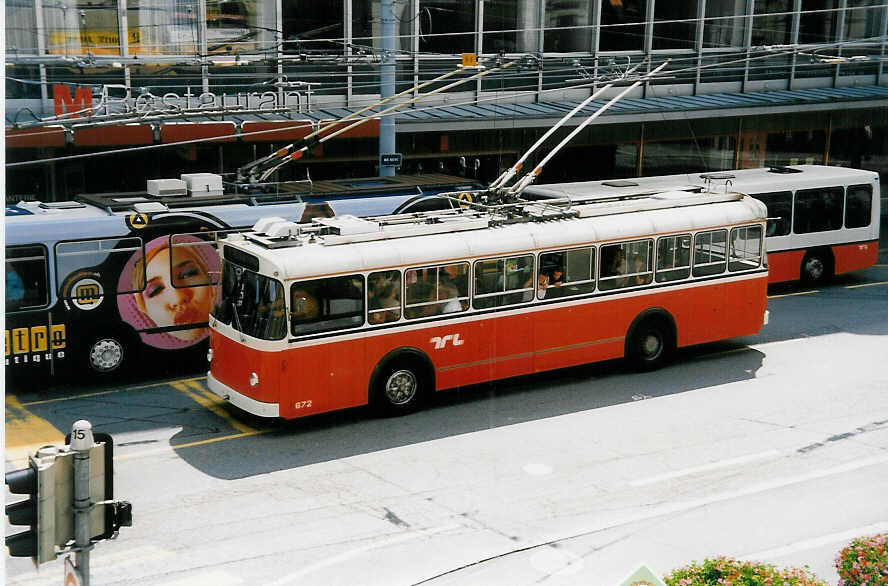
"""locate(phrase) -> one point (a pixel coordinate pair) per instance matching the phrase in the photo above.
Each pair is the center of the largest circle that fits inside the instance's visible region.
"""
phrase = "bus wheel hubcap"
(106, 355)
(401, 387)
(814, 268)
(651, 345)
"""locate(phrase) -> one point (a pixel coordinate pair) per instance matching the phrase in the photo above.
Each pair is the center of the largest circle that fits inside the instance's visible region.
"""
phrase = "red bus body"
(304, 372)
(314, 377)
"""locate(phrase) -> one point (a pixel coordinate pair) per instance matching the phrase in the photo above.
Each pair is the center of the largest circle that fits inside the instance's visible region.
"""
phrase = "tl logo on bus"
(440, 342)
(35, 344)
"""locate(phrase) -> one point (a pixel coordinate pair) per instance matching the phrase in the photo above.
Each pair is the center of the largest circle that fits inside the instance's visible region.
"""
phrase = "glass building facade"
(332, 49)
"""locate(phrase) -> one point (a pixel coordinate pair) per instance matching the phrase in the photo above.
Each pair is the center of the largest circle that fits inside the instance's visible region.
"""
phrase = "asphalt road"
(773, 447)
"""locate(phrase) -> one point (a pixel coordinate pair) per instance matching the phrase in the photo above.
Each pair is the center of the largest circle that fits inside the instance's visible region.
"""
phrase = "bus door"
(33, 341)
(566, 334)
(503, 284)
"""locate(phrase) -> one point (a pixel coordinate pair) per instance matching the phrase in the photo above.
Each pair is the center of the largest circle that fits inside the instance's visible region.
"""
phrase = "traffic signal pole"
(70, 505)
(81, 444)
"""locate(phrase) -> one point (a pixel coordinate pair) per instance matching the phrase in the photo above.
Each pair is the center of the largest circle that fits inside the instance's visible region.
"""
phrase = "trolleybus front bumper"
(240, 400)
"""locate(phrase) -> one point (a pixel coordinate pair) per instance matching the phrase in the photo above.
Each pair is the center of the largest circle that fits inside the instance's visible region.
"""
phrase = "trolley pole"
(387, 84)
(81, 443)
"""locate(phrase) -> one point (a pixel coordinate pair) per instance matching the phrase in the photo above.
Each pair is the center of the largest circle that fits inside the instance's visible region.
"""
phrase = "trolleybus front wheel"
(400, 388)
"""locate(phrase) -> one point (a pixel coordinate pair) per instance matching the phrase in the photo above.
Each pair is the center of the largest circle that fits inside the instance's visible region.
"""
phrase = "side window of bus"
(746, 248)
(859, 206)
(818, 210)
(384, 297)
(568, 272)
(627, 264)
(673, 258)
(88, 269)
(323, 305)
(779, 206)
(503, 281)
(435, 290)
(709, 253)
(26, 278)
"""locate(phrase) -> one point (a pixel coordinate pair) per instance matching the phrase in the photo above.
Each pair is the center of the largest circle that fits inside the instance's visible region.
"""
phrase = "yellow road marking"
(121, 390)
(866, 285)
(220, 439)
(25, 432)
(794, 294)
(211, 402)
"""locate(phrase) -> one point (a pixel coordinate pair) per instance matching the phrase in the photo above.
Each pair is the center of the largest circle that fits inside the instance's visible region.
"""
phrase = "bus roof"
(760, 180)
(419, 240)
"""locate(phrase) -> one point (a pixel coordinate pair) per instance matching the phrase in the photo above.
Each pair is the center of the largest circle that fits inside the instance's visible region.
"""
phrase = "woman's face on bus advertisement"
(188, 302)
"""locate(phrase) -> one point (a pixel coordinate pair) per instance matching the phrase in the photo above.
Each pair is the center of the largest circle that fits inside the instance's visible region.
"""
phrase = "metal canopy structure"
(277, 127)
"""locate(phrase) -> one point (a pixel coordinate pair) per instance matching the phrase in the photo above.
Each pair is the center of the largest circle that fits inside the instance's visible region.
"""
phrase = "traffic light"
(23, 512)
(38, 481)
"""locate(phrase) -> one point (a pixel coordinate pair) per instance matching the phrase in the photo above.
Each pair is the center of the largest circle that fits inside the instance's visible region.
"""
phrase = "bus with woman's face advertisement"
(121, 285)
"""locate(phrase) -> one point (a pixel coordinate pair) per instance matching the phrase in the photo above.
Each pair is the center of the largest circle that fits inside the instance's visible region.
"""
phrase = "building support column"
(387, 83)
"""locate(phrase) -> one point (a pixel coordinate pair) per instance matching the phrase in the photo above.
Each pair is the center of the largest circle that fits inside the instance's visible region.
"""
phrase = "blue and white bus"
(124, 282)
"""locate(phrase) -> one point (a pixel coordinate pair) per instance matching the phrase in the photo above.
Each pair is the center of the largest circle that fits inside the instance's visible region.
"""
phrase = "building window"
(675, 26)
(772, 23)
(724, 24)
(817, 23)
(568, 26)
(622, 25)
(863, 19)
(75, 29)
(313, 27)
(446, 26)
(511, 26)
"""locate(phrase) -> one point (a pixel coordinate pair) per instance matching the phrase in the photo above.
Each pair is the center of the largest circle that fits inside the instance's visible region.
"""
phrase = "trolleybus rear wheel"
(105, 355)
(650, 344)
(815, 267)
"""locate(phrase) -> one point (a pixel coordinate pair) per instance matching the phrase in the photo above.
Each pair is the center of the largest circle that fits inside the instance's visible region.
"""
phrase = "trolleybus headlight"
(210, 355)
(254, 379)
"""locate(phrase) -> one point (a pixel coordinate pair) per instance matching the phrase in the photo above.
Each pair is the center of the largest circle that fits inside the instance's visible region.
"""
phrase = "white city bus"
(822, 221)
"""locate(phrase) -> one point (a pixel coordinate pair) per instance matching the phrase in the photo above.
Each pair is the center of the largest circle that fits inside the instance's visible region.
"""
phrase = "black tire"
(816, 267)
(400, 388)
(105, 356)
(651, 344)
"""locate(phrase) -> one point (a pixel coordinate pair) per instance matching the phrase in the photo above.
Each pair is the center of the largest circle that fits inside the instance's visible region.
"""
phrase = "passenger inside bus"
(639, 275)
(383, 295)
(15, 287)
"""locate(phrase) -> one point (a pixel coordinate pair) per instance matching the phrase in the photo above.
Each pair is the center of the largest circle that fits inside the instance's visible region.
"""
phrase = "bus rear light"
(254, 379)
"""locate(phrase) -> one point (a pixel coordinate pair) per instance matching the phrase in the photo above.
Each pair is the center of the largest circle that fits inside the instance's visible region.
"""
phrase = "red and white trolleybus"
(347, 311)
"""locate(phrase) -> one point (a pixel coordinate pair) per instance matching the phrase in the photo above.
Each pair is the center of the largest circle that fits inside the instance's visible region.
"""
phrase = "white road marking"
(212, 578)
(336, 559)
(843, 536)
(706, 467)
